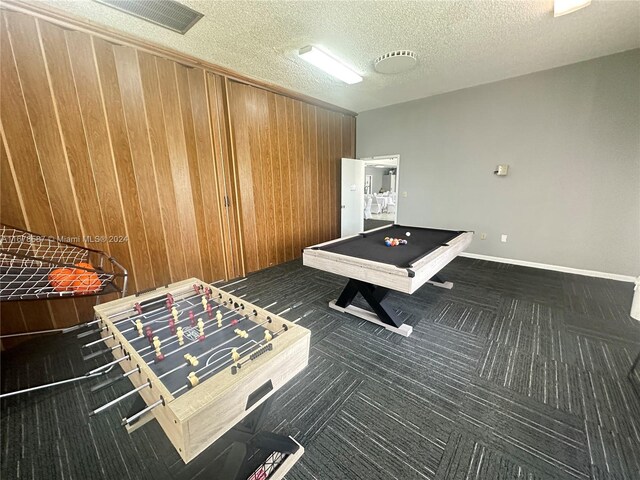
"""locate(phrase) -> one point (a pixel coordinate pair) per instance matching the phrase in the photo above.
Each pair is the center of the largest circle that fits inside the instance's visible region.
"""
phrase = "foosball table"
(202, 361)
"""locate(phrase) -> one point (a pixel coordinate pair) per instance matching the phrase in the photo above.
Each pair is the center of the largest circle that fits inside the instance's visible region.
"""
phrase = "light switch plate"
(502, 170)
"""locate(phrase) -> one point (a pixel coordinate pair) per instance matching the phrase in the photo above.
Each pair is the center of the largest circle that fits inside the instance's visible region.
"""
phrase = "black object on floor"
(515, 373)
(237, 454)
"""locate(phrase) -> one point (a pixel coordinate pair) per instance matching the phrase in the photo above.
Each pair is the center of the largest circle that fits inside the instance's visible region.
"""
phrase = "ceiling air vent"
(166, 13)
(397, 61)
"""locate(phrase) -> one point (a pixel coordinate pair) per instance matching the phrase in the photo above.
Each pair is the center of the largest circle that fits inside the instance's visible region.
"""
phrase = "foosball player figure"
(209, 310)
(219, 318)
(235, 356)
(193, 379)
(170, 299)
(174, 313)
(267, 336)
(196, 288)
(139, 327)
(149, 334)
(156, 344)
(207, 292)
(241, 333)
(191, 360)
(192, 318)
(172, 326)
(204, 302)
(201, 330)
(180, 336)
(138, 308)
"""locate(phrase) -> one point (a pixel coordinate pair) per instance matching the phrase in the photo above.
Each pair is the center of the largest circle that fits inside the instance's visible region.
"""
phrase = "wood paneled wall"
(288, 155)
(205, 176)
(104, 140)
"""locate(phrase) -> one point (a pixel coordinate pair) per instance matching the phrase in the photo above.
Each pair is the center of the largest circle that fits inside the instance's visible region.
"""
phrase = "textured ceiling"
(459, 44)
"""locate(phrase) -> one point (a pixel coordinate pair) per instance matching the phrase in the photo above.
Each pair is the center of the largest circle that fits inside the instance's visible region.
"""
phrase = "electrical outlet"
(503, 238)
(483, 236)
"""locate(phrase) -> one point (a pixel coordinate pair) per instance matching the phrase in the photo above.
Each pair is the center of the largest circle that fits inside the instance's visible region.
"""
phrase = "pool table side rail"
(342, 239)
(376, 273)
(406, 280)
(430, 265)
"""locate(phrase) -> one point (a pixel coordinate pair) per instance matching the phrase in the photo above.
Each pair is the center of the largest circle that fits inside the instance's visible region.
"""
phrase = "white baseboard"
(557, 268)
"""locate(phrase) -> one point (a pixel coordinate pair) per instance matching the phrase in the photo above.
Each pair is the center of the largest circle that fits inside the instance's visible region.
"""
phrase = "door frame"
(395, 157)
(359, 191)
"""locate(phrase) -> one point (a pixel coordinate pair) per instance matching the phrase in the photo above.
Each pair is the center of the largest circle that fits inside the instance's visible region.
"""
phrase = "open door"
(352, 197)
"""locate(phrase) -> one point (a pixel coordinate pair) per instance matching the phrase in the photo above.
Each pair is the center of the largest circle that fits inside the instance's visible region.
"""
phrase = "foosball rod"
(111, 381)
(107, 365)
(90, 332)
(133, 418)
(95, 342)
(233, 283)
(255, 346)
(101, 352)
(231, 312)
(53, 384)
(307, 313)
(161, 298)
(119, 399)
(241, 287)
(155, 310)
(255, 302)
(286, 310)
(213, 351)
(41, 332)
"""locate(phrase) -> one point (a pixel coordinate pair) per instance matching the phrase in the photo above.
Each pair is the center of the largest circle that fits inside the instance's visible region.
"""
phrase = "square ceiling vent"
(166, 13)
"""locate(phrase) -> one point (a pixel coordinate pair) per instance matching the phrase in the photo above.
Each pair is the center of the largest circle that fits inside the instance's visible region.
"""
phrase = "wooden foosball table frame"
(197, 418)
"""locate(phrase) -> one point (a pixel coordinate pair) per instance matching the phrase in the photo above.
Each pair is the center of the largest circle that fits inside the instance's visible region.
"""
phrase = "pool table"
(373, 268)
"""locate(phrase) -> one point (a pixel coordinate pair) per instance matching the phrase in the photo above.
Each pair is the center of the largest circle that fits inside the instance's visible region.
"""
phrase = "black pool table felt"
(371, 246)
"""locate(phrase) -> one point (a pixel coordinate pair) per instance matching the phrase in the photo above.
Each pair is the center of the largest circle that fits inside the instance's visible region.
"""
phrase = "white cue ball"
(408, 234)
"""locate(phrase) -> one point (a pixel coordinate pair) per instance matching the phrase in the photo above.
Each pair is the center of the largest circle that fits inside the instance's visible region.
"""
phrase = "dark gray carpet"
(515, 373)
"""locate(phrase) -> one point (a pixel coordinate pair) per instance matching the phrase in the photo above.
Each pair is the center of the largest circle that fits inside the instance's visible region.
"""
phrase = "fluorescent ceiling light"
(326, 62)
(562, 7)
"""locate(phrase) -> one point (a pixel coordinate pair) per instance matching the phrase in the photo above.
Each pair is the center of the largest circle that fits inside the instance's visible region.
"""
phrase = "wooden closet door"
(102, 140)
(286, 156)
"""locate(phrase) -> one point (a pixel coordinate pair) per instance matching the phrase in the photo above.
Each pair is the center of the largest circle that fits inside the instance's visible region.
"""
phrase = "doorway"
(381, 195)
(369, 193)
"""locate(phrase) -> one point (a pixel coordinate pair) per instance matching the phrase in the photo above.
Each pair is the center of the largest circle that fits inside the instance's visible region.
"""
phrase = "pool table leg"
(374, 295)
(634, 366)
(439, 282)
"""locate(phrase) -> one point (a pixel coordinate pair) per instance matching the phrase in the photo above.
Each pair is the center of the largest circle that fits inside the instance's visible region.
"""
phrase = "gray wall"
(571, 136)
(376, 180)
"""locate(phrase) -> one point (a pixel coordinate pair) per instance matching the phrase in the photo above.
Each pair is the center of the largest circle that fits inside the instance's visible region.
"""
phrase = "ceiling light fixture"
(330, 65)
(562, 7)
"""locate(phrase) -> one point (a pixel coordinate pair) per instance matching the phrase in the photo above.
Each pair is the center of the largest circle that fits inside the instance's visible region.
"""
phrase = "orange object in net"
(62, 278)
(85, 281)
